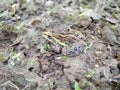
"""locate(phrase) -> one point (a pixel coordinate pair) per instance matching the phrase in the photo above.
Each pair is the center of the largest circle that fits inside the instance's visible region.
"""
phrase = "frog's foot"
(56, 48)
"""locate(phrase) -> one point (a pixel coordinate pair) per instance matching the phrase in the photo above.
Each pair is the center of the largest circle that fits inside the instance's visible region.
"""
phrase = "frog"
(67, 44)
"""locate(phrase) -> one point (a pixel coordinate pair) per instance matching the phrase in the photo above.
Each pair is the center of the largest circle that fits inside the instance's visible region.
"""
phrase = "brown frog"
(74, 48)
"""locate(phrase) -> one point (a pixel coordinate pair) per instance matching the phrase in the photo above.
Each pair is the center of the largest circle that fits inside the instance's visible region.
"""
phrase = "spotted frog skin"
(75, 49)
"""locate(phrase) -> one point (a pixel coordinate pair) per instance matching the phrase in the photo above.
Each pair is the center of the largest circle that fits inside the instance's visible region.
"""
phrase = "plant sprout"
(76, 86)
(64, 58)
(91, 74)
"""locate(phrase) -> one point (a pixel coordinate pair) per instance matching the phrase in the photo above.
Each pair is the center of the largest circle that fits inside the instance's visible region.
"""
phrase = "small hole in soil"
(115, 56)
(69, 3)
(101, 74)
(5, 62)
(13, 15)
(106, 57)
(23, 9)
(118, 66)
(25, 54)
(30, 69)
(38, 51)
(54, 86)
(77, 80)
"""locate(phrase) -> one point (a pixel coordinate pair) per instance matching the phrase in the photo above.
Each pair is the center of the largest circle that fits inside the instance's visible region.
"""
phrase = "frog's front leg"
(56, 48)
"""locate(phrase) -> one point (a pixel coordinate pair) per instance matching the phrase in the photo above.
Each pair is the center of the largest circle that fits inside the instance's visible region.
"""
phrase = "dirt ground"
(59, 45)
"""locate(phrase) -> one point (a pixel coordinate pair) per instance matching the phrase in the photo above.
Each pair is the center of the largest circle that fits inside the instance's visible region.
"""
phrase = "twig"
(26, 87)
(48, 85)
(10, 84)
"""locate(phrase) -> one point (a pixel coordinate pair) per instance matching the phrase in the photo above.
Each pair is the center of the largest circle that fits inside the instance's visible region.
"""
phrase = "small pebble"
(49, 3)
(96, 65)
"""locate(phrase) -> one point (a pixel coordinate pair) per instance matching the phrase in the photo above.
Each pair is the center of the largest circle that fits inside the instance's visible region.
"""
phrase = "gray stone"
(108, 35)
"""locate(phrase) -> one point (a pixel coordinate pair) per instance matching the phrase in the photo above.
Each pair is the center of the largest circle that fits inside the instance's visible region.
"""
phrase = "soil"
(53, 44)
